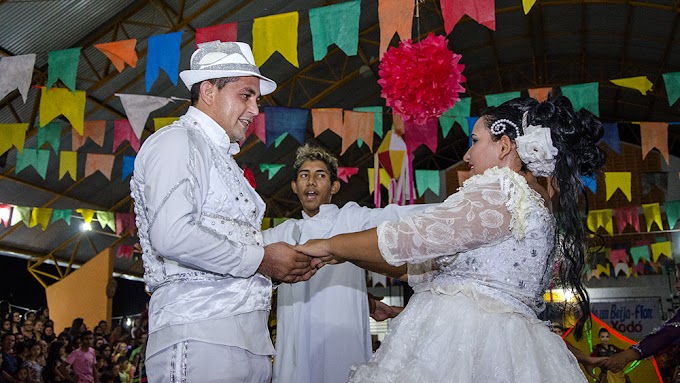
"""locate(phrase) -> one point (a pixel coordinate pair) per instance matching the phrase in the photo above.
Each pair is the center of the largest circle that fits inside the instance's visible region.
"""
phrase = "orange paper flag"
(654, 135)
(120, 53)
(101, 162)
(327, 118)
(394, 16)
(539, 94)
(357, 125)
(94, 129)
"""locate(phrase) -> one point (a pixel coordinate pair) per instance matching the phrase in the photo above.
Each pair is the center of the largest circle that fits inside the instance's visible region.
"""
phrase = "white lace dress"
(478, 263)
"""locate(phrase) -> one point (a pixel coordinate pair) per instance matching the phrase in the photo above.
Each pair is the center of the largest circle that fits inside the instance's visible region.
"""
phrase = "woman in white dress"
(480, 262)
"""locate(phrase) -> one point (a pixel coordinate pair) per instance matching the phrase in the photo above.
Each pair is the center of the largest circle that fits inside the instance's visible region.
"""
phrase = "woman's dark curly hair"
(575, 135)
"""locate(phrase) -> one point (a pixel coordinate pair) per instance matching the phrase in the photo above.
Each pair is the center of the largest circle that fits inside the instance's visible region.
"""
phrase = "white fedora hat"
(216, 59)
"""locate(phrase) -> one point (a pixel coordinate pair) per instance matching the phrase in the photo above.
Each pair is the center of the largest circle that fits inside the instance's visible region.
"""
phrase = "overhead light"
(85, 227)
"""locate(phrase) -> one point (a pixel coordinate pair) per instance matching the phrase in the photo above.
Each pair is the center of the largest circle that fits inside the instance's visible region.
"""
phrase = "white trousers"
(198, 362)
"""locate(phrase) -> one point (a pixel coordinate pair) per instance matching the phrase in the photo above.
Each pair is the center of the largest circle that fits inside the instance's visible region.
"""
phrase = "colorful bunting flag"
(59, 101)
(12, 135)
(106, 219)
(21, 214)
(36, 158)
(617, 180)
(493, 100)
(138, 107)
(527, 4)
(627, 216)
(128, 166)
(611, 136)
(87, 214)
(672, 213)
(68, 163)
(652, 213)
(64, 214)
(661, 248)
(335, 24)
(40, 216)
(63, 65)
(223, 32)
(123, 131)
(125, 252)
(257, 127)
(50, 133)
(271, 169)
(590, 182)
(357, 125)
(672, 82)
(384, 179)
(99, 162)
(539, 94)
(482, 11)
(163, 52)
(654, 135)
(377, 117)
(656, 179)
(162, 122)
(394, 16)
(276, 33)
(601, 218)
(622, 268)
(5, 214)
(457, 113)
(427, 179)
(281, 120)
(618, 256)
(344, 173)
(120, 52)
(584, 96)
(327, 119)
(92, 129)
(639, 83)
(125, 222)
(16, 72)
(421, 134)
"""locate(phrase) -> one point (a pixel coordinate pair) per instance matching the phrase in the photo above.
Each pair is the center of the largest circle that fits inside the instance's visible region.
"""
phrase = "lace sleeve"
(477, 215)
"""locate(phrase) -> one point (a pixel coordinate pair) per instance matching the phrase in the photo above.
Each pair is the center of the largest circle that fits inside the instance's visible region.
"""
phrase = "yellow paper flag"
(652, 215)
(661, 248)
(40, 216)
(57, 101)
(384, 179)
(68, 163)
(527, 4)
(640, 83)
(276, 33)
(12, 135)
(617, 180)
(602, 269)
(601, 218)
(161, 122)
(87, 214)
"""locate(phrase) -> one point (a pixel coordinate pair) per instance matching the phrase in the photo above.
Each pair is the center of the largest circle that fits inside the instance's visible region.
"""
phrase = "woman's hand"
(320, 250)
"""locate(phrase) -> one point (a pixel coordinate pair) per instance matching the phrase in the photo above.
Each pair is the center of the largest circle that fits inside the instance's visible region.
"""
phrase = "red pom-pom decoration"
(421, 81)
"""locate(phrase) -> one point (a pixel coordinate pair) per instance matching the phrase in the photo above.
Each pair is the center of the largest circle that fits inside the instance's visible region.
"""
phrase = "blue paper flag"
(279, 120)
(128, 166)
(163, 52)
(590, 182)
(471, 124)
(611, 136)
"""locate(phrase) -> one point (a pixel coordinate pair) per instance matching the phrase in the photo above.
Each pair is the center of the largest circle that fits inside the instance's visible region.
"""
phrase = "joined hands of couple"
(295, 263)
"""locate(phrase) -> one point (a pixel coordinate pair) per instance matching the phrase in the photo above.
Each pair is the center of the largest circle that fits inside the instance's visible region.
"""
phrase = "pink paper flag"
(618, 255)
(639, 268)
(416, 135)
(257, 128)
(345, 173)
(625, 216)
(122, 131)
(125, 222)
(93, 129)
(224, 33)
(482, 11)
(125, 251)
(5, 214)
(101, 162)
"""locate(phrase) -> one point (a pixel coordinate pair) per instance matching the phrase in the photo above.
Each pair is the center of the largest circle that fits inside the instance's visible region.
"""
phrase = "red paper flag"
(125, 222)
(223, 33)
(482, 11)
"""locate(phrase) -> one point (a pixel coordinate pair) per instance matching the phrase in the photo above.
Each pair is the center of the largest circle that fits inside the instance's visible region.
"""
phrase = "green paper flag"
(33, 157)
(64, 214)
(638, 252)
(278, 140)
(456, 113)
(337, 24)
(427, 179)
(63, 65)
(672, 82)
(106, 219)
(50, 133)
(278, 221)
(377, 118)
(584, 96)
(21, 214)
(271, 169)
(499, 98)
(672, 212)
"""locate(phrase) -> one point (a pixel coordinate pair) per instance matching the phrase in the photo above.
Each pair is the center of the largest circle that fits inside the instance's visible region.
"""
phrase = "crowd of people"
(32, 352)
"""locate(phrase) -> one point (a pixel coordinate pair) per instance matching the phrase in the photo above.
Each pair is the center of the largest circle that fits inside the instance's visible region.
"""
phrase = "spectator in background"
(77, 328)
(44, 348)
(56, 369)
(43, 314)
(48, 334)
(22, 376)
(29, 315)
(83, 360)
(605, 349)
(6, 325)
(38, 327)
(106, 351)
(104, 327)
(16, 322)
(27, 330)
(31, 361)
(9, 361)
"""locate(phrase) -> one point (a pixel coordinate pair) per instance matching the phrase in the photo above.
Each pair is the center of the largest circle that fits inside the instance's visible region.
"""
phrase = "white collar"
(324, 210)
(213, 130)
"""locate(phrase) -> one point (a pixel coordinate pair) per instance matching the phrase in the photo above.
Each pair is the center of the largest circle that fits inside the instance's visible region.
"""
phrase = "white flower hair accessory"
(535, 149)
